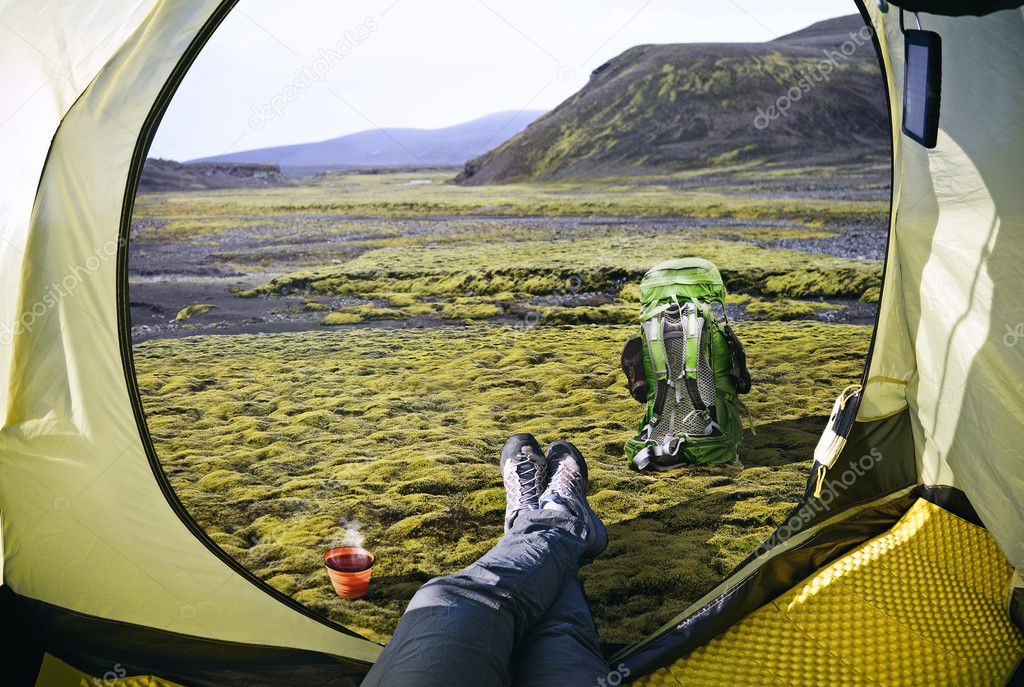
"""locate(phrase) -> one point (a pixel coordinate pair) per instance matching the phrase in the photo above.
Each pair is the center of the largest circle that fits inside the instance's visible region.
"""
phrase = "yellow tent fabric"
(949, 343)
(921, 604)
(85, 524)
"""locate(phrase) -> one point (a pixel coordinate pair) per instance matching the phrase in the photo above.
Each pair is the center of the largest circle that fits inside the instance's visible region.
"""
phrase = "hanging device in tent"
(922, 85)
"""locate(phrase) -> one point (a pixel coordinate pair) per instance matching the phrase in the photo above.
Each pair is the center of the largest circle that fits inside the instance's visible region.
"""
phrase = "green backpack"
(687, 366)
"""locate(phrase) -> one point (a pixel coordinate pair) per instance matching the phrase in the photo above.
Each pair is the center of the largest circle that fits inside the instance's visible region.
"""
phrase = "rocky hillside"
(168, 175)
(658, 108)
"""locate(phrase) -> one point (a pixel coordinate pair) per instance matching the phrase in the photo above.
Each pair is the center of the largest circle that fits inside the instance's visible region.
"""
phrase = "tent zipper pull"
(820, 482)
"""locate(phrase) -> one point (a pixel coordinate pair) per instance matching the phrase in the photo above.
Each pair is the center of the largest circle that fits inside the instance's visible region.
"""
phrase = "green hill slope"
(658, 108)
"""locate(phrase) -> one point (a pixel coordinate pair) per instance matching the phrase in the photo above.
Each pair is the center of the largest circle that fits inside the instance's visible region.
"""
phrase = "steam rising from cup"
(352, 532)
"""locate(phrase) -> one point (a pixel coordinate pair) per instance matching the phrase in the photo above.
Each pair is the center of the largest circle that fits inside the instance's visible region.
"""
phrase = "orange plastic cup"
(349, 568)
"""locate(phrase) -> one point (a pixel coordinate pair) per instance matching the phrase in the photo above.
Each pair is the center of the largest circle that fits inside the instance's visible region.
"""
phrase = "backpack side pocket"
(739, 373)
(633, 366)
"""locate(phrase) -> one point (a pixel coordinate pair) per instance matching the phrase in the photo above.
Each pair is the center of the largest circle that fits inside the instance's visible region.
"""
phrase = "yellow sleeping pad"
(922, 604)
(56, 673)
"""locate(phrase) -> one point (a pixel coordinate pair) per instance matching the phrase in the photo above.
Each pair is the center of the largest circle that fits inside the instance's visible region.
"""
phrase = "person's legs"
(463, 629)
(562, 650)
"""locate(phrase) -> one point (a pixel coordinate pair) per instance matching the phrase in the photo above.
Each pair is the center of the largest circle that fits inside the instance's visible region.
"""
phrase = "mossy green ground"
(282, 446)
(557, 252)
(193, 310)
(500, 266)
(402, 195)
(504, 274)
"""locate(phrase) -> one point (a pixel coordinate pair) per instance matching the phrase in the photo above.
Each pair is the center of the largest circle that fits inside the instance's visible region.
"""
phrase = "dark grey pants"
(517, 616)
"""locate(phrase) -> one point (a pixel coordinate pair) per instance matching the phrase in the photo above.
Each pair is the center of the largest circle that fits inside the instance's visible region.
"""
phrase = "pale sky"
(276, 73)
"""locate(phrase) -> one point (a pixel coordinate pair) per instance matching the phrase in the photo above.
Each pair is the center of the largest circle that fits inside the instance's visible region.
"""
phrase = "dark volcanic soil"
(167, 276)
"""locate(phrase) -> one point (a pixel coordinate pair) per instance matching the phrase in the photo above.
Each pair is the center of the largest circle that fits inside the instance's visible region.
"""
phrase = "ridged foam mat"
(56, 673)
(922, 604)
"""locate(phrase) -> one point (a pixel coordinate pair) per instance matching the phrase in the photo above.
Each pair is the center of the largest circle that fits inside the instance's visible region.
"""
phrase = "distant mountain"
(658, 108)
(451, 145)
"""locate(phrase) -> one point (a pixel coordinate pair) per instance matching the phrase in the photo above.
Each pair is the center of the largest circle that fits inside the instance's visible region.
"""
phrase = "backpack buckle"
(670, 447)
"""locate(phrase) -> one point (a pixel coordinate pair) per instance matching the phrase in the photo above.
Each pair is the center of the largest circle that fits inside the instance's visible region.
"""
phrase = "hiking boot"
(567, 487)
(525, 472)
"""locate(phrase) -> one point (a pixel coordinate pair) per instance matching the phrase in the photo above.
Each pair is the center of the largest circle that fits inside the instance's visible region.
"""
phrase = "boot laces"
(529, 486)
(566, 480)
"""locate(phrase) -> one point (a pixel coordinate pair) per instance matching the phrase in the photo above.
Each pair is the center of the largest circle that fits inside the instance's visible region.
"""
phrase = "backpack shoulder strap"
(693, 339)
(688, 375)
(654, 344)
